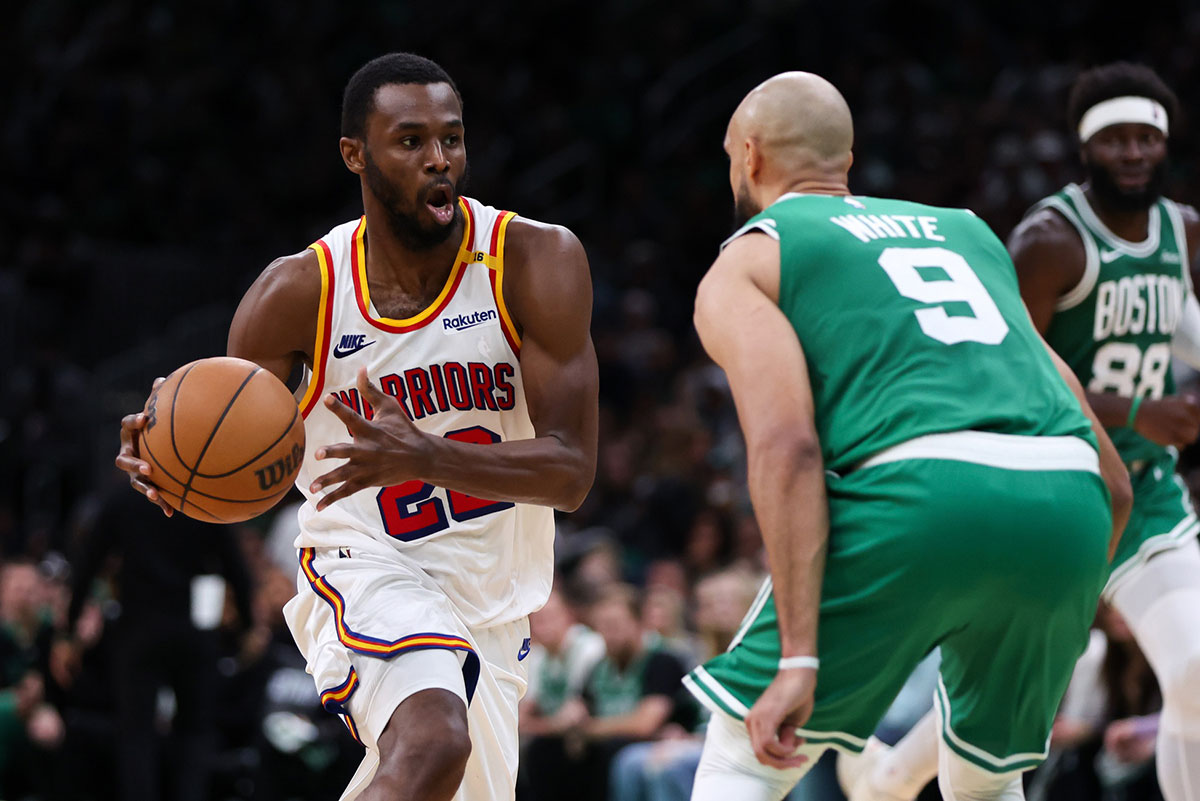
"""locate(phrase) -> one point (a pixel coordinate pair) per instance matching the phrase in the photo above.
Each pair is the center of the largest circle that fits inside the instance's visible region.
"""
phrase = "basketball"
(224, 439)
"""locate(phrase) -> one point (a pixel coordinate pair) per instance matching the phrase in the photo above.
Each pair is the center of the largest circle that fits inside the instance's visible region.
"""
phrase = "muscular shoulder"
(1047, 244)
(1045, 230)
(535, 245)
(546, 272)
(277, 317)
(296, 277)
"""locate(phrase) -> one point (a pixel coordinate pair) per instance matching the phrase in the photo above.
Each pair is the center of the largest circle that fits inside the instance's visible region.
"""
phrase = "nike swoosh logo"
(524, 652)
(339, 353)
(1107, 256)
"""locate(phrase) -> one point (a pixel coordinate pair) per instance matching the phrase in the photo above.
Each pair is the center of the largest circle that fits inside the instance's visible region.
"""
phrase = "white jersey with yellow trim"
(455, 369)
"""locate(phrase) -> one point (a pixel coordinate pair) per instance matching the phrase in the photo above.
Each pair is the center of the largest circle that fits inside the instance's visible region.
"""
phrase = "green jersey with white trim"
(912, 323)
(1114, 327)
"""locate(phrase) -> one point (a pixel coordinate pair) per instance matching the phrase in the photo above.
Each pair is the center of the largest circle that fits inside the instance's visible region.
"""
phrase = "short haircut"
(619, 593)
(358, 100)
(1118, 79)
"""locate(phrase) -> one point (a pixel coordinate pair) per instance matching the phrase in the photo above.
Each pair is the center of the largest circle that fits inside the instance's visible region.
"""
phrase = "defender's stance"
(921, 471)
(1104, 271)
(450, 341)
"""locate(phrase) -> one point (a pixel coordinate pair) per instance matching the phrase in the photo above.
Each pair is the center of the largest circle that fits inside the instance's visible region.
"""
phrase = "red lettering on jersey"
(508, 400)
(350, 398)
(482, 390)
(439, 387)
(418, 392)
(394, 385)
(458, 386)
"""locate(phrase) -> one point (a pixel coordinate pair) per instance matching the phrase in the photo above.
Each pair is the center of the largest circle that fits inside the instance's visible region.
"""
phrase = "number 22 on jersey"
(410, 510)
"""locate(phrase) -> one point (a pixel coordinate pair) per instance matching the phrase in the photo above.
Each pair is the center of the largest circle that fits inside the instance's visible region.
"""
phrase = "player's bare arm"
(548, 291)
(274, 325)
(1112, 469)
(744, 332)
(1050, 260)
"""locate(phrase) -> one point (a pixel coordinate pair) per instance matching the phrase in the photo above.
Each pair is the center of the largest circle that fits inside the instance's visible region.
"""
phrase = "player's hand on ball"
(387, 450)
(128, 457)
(772, 722)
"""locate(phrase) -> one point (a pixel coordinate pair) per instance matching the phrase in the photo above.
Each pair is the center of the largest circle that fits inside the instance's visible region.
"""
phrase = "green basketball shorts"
(1000, 566)
(1162, 517)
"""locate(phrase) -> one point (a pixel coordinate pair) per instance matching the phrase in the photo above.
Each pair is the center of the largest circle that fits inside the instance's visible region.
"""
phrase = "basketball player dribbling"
(450, 403)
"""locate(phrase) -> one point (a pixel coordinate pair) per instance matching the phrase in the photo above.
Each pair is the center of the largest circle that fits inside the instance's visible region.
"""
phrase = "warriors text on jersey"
(1114, 327)
(454, 368)
(912, 323)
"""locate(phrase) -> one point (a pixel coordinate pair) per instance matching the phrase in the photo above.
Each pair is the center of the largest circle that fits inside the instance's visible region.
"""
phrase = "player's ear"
(753, 160)
(352, 154)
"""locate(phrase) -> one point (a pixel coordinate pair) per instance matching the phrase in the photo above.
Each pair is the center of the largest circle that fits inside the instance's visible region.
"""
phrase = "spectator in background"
(663, 617)
(164, 637)
(30, 727)
(634, 693)
(562, 655)
(720, 601)
(665, 769)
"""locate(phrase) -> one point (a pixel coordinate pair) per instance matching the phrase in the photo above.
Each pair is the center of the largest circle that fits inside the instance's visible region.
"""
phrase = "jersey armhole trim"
(1091, 268)
(762, 226)
(1180, 231)
(316, 382)
(496, 276)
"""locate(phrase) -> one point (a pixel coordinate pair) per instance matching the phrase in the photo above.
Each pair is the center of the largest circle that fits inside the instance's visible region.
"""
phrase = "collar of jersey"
(362, 293)
(1139, 249)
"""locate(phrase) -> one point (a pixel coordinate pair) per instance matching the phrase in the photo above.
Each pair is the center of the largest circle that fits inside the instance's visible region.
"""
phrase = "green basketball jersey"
(912, 323)
(1114, 328)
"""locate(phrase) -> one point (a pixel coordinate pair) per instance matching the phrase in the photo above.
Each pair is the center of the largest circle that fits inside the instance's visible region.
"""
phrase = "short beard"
(743, 206)
(1117, 199)
(406, 227)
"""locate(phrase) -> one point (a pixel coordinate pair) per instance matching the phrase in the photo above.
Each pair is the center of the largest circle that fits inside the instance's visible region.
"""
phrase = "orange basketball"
(224, 439)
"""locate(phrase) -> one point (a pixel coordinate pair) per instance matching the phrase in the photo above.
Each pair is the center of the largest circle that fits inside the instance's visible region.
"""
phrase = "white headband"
(1130, 108)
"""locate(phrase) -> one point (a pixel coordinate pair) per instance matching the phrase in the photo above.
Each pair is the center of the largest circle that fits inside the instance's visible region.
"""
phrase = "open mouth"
(440, 200)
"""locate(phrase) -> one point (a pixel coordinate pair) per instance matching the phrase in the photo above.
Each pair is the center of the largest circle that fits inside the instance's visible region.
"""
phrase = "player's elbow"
(577, 483)
(793, 450)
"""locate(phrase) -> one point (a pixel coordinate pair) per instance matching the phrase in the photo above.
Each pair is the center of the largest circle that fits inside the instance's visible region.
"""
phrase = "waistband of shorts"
(1006, 451)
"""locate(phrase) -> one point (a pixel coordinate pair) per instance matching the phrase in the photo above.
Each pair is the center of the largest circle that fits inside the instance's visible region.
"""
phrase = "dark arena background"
(155, 157)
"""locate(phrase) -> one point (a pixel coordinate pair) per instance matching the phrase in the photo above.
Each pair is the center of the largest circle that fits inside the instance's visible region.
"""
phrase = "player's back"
(912, 324)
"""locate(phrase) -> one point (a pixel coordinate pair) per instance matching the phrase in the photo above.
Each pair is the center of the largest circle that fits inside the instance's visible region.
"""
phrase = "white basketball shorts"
(375, 630)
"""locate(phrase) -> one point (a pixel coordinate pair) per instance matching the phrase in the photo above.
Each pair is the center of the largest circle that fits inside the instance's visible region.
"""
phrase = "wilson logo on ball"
(280, 469)
(152, 411)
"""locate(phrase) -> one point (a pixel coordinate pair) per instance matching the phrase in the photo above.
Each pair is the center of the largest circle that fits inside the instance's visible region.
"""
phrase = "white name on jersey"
(867, 227)
(1137, 304)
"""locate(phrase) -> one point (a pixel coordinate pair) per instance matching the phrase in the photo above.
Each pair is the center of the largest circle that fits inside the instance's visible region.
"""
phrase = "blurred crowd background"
(156, 156)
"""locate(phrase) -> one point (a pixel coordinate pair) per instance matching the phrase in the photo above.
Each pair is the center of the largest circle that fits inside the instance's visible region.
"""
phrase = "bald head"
(797, 120)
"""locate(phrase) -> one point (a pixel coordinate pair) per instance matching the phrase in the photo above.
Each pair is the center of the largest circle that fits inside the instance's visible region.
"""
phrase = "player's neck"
(1132, 226)
(812, 186)
(412, 269)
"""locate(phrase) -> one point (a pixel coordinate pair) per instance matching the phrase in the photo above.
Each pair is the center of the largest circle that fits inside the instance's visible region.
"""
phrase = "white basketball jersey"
(455, 369)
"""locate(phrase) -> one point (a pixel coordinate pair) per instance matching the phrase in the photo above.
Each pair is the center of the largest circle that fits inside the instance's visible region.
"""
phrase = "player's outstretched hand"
(772, 722)
(128, 457)
(1172, 420)
(387, 449)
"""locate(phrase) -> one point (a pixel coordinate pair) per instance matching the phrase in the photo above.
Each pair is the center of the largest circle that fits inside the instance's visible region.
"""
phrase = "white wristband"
(793, 662)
